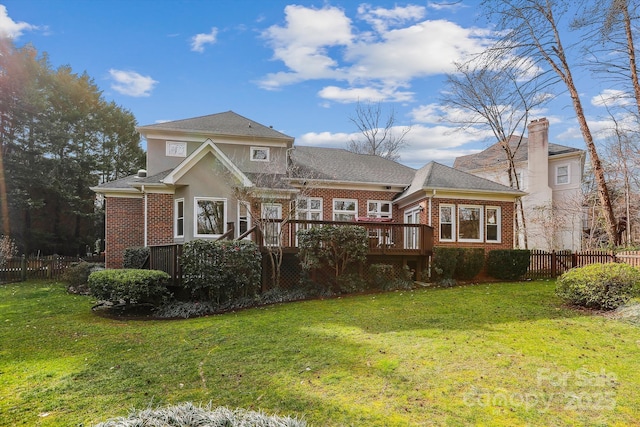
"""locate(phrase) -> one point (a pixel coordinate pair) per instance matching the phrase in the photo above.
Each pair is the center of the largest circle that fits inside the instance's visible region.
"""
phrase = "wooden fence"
(19, 269)
(553, 264)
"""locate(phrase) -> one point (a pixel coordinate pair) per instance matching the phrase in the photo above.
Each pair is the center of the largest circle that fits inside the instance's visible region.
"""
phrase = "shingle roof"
(130, 181)
(335, 164)
(438, 176)
(494, 155)
(227, 123)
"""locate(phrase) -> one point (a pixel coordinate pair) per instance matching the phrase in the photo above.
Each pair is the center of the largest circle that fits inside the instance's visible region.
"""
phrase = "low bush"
(77, 275)
(444, 264)
(135, 257)
(129, 286)
(600, 286)
(470, 263)
(189, 415)
(380, 275)
(508, 264)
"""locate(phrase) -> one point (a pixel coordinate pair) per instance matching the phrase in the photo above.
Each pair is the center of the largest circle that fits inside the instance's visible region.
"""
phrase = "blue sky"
(298, 66)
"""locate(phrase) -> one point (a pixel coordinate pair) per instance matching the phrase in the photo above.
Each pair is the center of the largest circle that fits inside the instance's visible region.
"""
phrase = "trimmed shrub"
(470, 263)
(508, 264)
(77, 276)
(221, 270)
(600, 286)
(189, 415)
(445, 260)
(135, 257)
(129, 286)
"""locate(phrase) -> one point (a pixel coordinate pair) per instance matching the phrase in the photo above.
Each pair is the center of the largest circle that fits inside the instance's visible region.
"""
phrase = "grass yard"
(495, 354)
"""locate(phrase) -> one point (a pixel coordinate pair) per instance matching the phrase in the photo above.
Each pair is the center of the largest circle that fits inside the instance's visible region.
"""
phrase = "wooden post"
(553, 263)
(23, 268)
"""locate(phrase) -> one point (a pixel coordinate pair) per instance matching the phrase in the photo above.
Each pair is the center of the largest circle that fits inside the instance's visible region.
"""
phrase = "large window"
(562, 174)
(210, 216)
(447, 224)
(345, 209)
(470, 223)
(178, 225)
(259, 154)
(493, 224)
(378, 209)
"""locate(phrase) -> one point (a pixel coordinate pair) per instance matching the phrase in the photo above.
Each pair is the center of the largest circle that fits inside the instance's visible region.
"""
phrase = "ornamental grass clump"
(599, 286)
(189, 415)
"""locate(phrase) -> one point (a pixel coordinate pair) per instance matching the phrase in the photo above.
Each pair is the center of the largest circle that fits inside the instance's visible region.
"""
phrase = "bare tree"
(380, 136)
(531, 30)
(498, 93)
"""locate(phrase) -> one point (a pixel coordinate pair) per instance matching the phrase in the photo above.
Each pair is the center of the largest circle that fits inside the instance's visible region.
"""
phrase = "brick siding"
(124, 228)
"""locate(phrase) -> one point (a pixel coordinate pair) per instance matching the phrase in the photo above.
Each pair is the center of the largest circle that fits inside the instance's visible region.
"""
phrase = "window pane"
(445, 214)
(343, 217)
(562, 175)
(469, 223)
(315, 204)
(385, 207)
(492, 233)
(445, 232)
(210, 217)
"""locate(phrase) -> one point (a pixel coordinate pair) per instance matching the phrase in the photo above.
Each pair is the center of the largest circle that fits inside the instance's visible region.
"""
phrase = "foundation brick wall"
(124, 228)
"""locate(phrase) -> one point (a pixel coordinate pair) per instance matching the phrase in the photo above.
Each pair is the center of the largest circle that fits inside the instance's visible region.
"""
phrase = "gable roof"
(340, 165)
(436, 176)
(227, 123)
(494, 156)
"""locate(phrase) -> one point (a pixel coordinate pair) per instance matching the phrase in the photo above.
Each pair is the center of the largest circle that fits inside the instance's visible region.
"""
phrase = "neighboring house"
(550, 174)
(198, 168)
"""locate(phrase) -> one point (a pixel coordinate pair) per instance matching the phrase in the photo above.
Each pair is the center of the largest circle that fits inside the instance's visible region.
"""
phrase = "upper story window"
(176, 149)
(210, 216)
(378, 209)
(345, 209)
(259, 154)
(562, 174)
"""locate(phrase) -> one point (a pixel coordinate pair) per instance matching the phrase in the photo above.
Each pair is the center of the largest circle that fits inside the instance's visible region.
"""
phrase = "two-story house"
(198, 171)
(550, 174)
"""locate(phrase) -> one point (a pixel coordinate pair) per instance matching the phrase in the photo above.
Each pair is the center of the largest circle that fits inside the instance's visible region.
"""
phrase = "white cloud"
(131, 83)
(200, 40)
(381, 19)
(11, 29)
(322, 43)
(611, 98)
(349, 95)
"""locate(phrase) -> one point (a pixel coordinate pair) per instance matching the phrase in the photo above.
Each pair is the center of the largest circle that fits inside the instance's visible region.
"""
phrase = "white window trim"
(568, 174)
(308, 210)
(498, 223)
(254, 149)
(266, 222)
(334, 211)
(248, 206)
(481, 225)
(195, 216)
(175, 218)
(454, 217)
(378, 213)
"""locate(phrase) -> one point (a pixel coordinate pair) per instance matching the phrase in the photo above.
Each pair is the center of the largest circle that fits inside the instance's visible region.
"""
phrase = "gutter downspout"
(430, 207)
(146, 202)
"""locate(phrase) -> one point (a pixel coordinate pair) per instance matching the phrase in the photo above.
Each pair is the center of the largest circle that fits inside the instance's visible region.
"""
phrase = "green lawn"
(495, 354)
